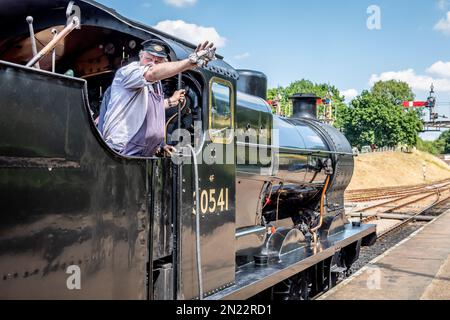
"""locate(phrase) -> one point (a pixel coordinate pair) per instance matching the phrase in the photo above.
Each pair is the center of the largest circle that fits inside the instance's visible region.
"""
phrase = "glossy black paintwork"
(65, 199)
(217, 234)
(217, 228)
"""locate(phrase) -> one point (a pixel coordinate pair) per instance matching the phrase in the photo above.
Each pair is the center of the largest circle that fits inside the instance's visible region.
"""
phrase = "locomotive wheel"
(294, 288)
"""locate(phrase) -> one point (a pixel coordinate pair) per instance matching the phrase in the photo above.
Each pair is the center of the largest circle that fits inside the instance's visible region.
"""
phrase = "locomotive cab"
(94, 54)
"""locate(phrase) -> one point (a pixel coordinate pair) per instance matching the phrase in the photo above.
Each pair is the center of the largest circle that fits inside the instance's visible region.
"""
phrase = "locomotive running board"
(251, 279)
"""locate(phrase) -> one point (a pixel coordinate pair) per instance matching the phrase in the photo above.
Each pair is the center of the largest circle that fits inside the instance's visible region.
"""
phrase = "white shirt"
(127, 107)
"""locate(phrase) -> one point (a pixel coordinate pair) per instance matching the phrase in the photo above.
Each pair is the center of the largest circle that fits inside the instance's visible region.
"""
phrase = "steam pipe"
(322, 209)
(75, 23)
(179, 104)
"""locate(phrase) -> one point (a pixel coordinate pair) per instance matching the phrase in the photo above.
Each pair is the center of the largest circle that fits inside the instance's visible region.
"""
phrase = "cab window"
(221, 111)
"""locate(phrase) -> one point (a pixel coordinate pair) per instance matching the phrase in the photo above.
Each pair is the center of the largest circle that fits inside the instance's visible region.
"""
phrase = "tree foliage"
(373, 118)
(394, 91)
(443, 143)
(377, 117)
(440, 146)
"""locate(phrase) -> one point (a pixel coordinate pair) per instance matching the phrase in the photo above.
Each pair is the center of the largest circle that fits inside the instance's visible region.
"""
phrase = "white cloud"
(146, 4)
(443, 25)
(242, 56)
(349, 94)
(181, 3)
(191, 32)
(440, 69)
(416, 82)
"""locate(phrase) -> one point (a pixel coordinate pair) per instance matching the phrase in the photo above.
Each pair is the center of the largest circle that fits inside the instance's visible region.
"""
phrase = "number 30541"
(213, 200)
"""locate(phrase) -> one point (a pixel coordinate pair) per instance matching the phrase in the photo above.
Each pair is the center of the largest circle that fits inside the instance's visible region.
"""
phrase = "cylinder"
(304, 105)
(253, 83)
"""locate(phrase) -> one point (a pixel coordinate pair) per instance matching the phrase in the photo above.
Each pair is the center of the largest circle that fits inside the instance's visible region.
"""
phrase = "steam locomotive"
(80, 221)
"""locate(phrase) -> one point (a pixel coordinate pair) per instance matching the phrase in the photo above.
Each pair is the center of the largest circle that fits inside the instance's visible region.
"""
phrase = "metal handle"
(52, 44)
(55, 34)
(32, 38)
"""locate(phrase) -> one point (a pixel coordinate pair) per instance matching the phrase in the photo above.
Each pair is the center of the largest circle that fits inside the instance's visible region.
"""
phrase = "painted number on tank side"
(213, 200)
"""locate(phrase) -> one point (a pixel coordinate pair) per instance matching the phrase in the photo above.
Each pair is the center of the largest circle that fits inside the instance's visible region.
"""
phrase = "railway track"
(403, 203)
(413, 217)
(395, 189)
(365, 195)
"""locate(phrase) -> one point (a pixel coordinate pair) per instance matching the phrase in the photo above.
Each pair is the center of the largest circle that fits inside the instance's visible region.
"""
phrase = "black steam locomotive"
(79, 220)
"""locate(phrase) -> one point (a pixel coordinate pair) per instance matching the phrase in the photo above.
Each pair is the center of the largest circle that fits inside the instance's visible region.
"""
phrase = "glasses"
(153, 59)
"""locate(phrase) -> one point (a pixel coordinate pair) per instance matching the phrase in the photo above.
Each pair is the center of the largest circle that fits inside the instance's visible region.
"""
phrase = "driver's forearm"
(166, 70)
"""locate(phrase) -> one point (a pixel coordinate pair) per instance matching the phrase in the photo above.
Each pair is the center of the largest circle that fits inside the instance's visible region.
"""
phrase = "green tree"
(440, 146)
(277, 93)
(433, 147)
(393, 90)
(443, 143)
(375, 117)
(411, 125)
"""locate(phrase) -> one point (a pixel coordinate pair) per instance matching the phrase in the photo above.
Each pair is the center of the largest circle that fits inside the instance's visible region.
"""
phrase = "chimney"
(304, 105)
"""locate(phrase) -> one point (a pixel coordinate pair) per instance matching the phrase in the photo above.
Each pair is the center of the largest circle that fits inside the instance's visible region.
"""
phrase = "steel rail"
(412, 218)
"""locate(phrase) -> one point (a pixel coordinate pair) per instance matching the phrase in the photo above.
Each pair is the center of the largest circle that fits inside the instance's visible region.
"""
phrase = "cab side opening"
(95, 54)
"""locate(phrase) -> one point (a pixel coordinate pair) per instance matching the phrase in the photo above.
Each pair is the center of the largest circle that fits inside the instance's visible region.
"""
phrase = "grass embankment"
(376, 170)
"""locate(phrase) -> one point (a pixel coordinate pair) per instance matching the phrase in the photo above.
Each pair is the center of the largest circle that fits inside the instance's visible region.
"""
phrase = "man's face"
(148, 58)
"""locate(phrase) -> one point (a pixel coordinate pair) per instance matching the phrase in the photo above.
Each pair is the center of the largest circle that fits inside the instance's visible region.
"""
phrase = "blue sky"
(320, 40)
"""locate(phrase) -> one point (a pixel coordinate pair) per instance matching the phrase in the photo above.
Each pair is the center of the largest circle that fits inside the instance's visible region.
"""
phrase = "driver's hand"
(204, 53)
(168, 151)
(205, 46)
(178, 96)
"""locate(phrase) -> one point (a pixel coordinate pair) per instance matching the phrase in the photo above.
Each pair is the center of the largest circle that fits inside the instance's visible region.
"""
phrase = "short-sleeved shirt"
(135, 120)
(151, 135)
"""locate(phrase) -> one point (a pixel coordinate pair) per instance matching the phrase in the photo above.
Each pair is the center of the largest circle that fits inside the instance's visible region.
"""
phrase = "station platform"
(418, 268)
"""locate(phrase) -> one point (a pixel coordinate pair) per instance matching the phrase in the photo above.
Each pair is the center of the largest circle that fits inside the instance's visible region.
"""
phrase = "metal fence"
(369, 149)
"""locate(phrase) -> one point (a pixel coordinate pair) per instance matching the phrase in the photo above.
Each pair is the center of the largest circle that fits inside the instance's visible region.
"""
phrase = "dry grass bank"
(389, 169)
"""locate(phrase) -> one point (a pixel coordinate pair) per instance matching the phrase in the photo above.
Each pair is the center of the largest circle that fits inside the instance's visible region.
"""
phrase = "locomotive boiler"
(255, 209)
